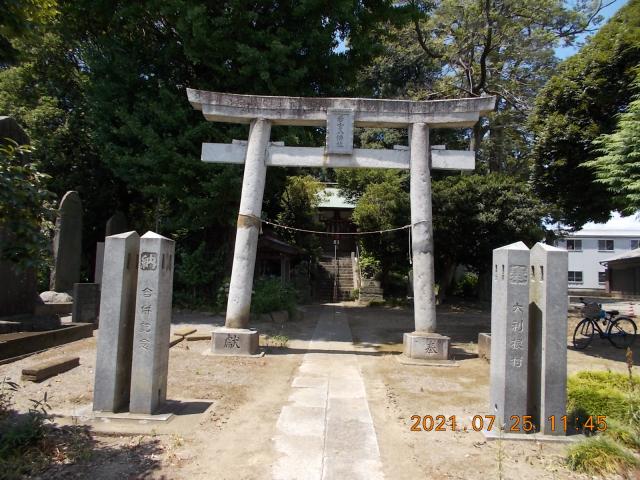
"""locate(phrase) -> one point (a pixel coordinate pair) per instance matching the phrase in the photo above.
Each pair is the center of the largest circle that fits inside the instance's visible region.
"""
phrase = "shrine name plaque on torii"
(339, 116)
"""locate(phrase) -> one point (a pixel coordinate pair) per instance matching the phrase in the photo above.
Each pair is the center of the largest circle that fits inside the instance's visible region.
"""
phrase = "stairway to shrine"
(328, 270)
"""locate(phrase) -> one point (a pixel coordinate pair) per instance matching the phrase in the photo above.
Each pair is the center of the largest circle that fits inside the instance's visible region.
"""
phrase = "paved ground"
(326, 430)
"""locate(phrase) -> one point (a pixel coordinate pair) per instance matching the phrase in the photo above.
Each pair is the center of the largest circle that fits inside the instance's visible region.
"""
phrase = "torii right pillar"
(423, 343)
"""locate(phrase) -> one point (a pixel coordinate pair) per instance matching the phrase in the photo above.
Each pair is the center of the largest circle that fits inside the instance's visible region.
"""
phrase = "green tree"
(618, 167)
(468, 48)
(299, 208)
(384, 206)
(141, 57)
(577, 105)
(100, 87)
(20, 19)
(26, 211)
(473, 214)
(46, 93)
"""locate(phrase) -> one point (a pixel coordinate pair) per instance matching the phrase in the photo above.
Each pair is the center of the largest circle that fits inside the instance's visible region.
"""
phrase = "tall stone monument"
(548, 332)
(67, 244)
(117, 315)
(152, 323)
(340, 116)
(509, 334)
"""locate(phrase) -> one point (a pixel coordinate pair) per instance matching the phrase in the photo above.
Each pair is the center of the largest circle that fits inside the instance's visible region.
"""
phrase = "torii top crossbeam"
(312, 111)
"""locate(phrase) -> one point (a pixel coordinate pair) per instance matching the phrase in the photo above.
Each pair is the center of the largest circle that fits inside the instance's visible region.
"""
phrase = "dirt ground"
(233, 439)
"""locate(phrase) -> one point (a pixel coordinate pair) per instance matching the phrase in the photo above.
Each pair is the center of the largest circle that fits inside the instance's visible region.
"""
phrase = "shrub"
(195, 274)
(26, 207)
(467, 286)
(269, 294)
(600, 455)
(370, 267)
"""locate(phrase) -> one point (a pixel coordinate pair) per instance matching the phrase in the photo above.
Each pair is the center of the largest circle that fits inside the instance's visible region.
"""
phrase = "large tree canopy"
(468, 48)
(101, 89)
(618, 167)
(576, 106)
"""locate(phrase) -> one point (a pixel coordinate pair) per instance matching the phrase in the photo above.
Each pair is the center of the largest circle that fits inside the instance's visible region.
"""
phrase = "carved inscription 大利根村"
(516, 338)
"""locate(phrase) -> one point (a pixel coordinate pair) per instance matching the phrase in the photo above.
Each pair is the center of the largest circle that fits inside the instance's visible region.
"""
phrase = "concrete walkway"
(326, 431)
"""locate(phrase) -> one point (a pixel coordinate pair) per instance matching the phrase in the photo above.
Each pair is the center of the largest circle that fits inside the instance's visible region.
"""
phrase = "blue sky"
(565, 52)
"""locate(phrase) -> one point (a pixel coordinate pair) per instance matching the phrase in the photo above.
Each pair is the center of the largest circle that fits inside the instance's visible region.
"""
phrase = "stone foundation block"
(428, 346)
(234, 341)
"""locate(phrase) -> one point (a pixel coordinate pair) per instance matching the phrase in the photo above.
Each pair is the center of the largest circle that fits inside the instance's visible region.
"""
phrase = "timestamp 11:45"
(517, 423)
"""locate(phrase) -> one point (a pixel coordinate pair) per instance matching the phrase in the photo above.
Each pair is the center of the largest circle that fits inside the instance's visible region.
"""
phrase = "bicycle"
(620, 330)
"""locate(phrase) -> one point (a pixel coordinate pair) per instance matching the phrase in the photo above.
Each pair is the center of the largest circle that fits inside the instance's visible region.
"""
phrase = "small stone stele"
(426, 346)
(234, 341)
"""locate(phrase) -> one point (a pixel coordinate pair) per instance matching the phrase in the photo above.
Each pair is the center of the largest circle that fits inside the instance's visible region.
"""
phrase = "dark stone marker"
(117, 223)
(86, 303)
(67, 244)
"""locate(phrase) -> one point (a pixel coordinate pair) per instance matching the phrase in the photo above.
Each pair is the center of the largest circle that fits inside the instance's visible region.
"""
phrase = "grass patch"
(600, 455)
(615, 395)
(623, 433)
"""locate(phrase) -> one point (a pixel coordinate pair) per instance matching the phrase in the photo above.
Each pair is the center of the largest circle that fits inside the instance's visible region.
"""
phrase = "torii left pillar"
(235, 338)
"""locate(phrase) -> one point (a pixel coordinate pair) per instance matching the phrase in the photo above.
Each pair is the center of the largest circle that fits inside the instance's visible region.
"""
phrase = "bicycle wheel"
(622, 332)
(583, 334)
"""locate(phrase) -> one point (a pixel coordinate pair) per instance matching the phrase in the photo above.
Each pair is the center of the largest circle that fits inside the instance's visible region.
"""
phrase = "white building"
(594, 244)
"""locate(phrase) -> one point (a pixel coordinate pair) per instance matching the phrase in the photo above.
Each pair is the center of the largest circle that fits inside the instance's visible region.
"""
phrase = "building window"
(605, 245)
(634, 244)
(574, 245)
(602, 277)
(575, 277)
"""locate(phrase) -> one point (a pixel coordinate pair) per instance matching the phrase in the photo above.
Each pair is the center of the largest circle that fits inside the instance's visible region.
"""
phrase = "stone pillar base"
(234, 342)
(426, 346)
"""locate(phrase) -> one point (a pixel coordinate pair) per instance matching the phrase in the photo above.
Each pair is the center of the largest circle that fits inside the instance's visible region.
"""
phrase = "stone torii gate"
(340, 116)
